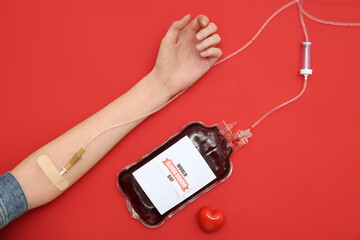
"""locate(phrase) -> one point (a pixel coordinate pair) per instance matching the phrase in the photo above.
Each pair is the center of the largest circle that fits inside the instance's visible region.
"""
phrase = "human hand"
(187, 52)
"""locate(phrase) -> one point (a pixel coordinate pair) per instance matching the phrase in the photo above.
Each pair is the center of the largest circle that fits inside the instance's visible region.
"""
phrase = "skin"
(187, 52)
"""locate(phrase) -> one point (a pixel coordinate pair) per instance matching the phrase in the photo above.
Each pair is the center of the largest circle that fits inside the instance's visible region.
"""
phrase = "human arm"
(178, 66)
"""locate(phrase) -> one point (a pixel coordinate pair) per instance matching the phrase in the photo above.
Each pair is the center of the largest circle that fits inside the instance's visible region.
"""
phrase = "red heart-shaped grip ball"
(210, 220)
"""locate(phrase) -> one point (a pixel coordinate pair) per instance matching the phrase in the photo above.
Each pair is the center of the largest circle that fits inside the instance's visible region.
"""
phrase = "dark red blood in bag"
(213, 148)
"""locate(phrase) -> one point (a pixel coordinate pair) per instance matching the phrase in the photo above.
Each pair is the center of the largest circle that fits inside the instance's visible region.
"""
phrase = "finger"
(175, 28)
(204, 33)
(211, 41)
(199, 22)
(211, 52)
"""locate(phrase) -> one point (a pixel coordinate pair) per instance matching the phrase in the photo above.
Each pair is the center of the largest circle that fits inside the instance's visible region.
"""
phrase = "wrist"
(157, 83)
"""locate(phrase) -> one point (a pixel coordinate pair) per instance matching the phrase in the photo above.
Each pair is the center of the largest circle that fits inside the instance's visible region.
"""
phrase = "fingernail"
(199, 46)
(199, 36)
(204, 21)
(204, 53)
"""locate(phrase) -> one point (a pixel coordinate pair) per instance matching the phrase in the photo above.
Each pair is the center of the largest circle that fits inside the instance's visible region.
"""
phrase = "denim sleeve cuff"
(13, 202)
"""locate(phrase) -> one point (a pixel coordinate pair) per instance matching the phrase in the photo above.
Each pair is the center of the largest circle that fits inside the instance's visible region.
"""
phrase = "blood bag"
(187, 165)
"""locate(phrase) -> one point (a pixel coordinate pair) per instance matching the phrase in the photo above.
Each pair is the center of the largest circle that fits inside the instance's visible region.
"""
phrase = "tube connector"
(235, 139)
(73, 160)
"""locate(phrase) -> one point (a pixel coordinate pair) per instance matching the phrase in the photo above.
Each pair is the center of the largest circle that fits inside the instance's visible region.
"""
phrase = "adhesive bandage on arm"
(52, 173)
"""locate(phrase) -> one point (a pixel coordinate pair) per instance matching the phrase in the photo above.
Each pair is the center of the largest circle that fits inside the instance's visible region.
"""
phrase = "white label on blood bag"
(174, 175)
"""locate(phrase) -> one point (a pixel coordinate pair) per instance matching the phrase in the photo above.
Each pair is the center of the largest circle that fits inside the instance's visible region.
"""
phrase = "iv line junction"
(305, 71)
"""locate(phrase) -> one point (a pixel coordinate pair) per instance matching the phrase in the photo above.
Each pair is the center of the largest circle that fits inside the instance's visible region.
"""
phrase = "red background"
(298, 178)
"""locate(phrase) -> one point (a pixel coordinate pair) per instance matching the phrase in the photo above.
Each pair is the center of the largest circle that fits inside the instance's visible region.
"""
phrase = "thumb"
(175, 28)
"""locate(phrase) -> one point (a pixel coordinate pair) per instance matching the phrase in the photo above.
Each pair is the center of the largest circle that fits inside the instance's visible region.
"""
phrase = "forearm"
(147, 95)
